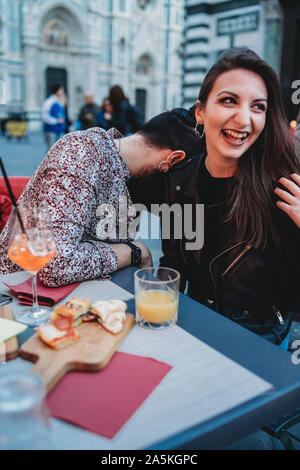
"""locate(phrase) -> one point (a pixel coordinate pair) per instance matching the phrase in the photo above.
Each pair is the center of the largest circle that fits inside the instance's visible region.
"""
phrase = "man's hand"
(146, 255)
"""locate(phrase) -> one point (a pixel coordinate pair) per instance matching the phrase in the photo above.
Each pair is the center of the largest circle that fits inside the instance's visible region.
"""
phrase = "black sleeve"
(288, 269)
(147, 190)
(172, 258)
(292, 278)
(151, 190)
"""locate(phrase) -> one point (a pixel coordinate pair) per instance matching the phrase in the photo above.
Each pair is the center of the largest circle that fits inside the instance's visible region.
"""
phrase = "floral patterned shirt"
(83, 180)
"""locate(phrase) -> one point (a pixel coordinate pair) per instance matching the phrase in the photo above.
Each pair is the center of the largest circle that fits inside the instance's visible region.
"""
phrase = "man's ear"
(199, 112)
(175, 157)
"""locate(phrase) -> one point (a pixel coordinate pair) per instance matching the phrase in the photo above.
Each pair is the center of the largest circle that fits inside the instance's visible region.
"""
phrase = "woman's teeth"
(236, 135)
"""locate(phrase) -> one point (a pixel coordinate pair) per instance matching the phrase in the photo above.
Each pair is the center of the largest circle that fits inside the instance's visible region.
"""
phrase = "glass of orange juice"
(156, 297)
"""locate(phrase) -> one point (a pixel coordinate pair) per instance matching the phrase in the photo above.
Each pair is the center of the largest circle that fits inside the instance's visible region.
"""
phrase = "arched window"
(143, 65)
(143, 3)
(55, 34)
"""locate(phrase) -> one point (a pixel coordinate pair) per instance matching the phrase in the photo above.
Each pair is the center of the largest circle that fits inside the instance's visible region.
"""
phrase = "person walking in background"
(53, 115)
(3, 126)
(105, 114)
(88, 115)
(64, 100)
(126, 118)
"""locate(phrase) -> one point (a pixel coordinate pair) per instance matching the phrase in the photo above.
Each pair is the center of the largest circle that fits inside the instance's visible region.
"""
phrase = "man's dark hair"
(55, 88)
(172, 129)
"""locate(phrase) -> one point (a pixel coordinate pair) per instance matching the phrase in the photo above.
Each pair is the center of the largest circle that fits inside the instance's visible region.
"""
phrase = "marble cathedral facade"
(90, 45)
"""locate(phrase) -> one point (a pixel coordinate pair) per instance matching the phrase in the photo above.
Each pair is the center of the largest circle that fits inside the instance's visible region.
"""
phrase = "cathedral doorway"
(144, 89)
(141, 101)
(55, 76)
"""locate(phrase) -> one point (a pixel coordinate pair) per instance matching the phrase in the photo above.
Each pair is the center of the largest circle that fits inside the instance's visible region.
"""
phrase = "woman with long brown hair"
(247, 177)
(125, 117)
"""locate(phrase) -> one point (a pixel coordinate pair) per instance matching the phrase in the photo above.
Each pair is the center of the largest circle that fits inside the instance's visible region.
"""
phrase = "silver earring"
(197, 133)
(163, 162)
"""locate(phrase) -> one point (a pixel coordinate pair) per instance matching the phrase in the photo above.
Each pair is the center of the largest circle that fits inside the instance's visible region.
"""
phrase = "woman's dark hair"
(172, 129)
(116, 96)
(252, 200)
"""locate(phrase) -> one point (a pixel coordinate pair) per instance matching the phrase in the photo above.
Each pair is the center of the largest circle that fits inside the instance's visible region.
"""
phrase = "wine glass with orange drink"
(32, 247)
(156, 297)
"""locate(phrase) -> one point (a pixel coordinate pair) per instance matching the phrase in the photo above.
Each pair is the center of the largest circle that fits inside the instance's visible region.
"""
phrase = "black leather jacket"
(254, 289)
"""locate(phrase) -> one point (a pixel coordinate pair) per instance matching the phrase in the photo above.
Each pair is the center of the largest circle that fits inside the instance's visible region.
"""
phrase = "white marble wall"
(104, 47)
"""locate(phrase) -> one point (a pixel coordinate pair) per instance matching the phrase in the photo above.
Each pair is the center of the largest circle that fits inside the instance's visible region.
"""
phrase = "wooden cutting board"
(10, 347)
(91, 353)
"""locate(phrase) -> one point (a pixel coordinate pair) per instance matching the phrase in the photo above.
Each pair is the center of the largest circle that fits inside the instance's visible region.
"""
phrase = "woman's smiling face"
(234, 115)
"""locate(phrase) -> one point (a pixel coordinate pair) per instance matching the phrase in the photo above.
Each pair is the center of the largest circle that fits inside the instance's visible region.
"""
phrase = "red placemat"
(102, 402)
(47, 296)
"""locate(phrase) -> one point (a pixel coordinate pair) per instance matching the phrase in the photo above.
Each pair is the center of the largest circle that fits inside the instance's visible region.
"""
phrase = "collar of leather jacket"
(181, 184)
(184, 175)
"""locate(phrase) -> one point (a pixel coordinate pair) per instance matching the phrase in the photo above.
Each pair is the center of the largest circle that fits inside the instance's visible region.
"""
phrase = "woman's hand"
(291, 198)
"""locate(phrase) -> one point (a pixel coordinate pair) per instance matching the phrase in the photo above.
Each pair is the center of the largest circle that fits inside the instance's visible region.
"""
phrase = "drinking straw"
(11, 195)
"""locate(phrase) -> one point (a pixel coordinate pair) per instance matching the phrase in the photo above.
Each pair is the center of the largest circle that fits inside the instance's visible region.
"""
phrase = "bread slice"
(79, 306)
(111, 314)
(56, 338)
(65, 315)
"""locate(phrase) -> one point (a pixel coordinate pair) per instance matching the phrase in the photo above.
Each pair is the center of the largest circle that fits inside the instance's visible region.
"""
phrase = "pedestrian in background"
(126, 117)
(105, 114)
(88, 115)
(53, 115)
(3, 126)
(69, 123)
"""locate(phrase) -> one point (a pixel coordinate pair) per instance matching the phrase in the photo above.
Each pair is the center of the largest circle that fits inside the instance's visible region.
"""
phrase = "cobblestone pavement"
(23, 157)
